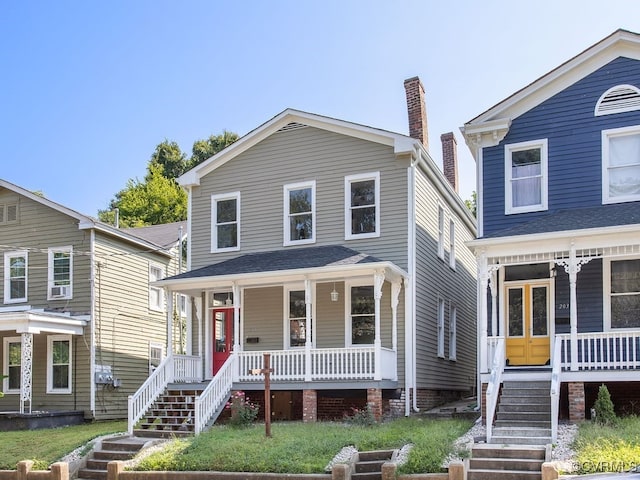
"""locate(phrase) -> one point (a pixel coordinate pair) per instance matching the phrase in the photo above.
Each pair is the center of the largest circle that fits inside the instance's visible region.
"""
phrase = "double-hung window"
(362, 205)
(15, 277)
(440, 332)
(299, 213)
(440, 232)
(297, 317)
(526, 176)
(453, 313)
(624, 293)
(156, 297)
(8, 213)
(362, 313)
(59, 361)
(621, 165)
(452, 244)
(225, 222)
(12, 371)
(60, 273)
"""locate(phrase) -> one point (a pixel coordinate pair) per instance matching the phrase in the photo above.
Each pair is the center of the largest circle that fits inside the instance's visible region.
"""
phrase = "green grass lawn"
(307, 448)
(608, 448)
(49, 445)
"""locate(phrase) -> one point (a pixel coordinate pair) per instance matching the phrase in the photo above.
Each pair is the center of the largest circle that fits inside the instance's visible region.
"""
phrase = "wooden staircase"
(172, 414)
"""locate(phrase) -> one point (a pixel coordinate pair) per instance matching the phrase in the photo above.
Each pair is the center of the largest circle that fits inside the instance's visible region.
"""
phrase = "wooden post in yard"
(266, 371)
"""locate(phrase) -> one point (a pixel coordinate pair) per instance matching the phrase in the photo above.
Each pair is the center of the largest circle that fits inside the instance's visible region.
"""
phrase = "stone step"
(502, 475)
(493, 451)
(506, 464)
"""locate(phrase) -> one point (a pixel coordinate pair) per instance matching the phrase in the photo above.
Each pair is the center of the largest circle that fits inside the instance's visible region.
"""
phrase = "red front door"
(222, 336)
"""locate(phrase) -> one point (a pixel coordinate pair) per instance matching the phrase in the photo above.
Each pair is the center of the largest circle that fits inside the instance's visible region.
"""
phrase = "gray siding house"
(80, 325)
(339, 249)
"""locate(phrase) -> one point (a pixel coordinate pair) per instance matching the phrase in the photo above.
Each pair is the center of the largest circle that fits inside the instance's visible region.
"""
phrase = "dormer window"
(621, 98)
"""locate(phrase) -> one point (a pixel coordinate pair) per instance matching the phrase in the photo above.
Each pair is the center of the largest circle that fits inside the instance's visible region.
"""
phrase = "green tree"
(159, 199)
(472, 203)
(605, 414)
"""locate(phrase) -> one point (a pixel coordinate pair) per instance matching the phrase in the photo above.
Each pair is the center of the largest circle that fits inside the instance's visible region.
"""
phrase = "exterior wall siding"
(293, 156)
(589, 287)
(574, 146)
(435, 279)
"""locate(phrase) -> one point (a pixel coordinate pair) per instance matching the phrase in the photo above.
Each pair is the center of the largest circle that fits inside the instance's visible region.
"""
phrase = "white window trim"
(160, 290)
(606, 135)
(50, 340)
(453, 333)
(452, 244)
(441, 232)
(50, 280)
(347, 204)
(4, 219)
(214, 221)
(440, 326)
(155, 346)
(347, 311)
(544, 187)
(606, 291)
(285, 299)
(5, 363)
(7, 287)
(287, 230)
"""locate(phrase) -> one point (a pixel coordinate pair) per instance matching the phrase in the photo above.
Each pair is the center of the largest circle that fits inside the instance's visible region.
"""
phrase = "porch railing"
(555, 389)
(493, 388)
(602, 351)
(174, 368)
(356, 363)
(212, 397)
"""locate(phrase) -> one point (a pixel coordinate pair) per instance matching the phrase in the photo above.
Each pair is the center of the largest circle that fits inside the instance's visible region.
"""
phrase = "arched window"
(618, 99)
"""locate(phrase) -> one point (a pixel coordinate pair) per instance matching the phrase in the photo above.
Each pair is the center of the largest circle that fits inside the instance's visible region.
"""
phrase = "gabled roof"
(491, 126)
(401, 144)
(167, 235)
(85, 222)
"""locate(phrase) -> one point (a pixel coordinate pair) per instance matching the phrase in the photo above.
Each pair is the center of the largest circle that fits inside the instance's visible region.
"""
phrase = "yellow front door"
(527, 312)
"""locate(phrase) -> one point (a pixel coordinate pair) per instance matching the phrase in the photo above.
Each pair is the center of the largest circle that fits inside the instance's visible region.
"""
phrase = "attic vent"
(622, 98)
(292, 126)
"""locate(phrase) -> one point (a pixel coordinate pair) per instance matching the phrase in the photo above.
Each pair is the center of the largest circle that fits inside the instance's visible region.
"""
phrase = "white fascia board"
(620, 43)
(486, 134)
(558, 241)
(392, 273)
(30, 322)
(193, 176)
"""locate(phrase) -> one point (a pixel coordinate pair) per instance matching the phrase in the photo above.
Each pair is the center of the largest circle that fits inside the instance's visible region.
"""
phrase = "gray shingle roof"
(287, 259)
(165, 235)
(576, 219)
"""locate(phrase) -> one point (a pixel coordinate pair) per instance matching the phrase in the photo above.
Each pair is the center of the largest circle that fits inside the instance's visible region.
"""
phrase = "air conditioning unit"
(60, 291)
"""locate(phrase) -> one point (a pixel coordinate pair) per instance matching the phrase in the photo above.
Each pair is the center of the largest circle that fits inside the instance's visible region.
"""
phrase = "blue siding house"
(558, 245)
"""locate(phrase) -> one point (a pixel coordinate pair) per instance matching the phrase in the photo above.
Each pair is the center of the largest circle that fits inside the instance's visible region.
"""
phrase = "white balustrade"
(187, 368)
(603, 350)
(493, 388)
(149, 391)
(217, 392)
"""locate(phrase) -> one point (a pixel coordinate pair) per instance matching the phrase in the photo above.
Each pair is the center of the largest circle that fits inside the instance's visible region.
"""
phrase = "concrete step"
(517, 424)
(502, 475)
(495, 451)
(525, 400)
(510, 440)
(109, 455)
(522, 432)
(524, 416)
(525, 384)
(368, 467)
(153, 433)
(375, 455)
(517, 407)
(506, 464)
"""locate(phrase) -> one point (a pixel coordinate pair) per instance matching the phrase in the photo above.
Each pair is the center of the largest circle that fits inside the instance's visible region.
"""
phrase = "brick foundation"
(576, 401)
(309, 406)
(428, 399)
(483, 412)
(374, 400)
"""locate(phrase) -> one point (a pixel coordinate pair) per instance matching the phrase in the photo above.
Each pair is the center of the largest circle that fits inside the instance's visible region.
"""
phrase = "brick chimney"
(450, 158)
(417, 110)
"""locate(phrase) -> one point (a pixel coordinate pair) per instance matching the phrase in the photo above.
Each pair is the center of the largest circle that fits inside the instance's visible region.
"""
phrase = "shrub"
(603, 407)
(363, 417)
(243, 411)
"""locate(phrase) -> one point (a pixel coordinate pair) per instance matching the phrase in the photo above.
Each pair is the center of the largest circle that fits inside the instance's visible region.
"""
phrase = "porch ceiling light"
(334, 293)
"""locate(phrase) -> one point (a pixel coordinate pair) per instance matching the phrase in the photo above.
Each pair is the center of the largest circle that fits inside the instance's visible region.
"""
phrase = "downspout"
(92, 324)
(412, 280)
(409, 294)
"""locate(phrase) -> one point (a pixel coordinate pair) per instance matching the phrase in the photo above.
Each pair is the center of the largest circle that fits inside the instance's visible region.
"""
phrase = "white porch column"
(26, 365)
(169, 297)
(235, 290)
(493, 285)
(395, 297)
(483, 275)
(378, 281)
(573, 267)
(308, 330)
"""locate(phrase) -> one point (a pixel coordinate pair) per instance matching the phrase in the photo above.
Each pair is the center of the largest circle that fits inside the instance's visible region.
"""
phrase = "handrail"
(555, 386)
(493, 388)
(149, 391)
(211, 398)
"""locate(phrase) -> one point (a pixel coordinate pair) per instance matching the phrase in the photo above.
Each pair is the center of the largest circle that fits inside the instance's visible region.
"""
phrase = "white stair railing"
(493, 388)
(208, 402)
(149, 391)
(555, 387)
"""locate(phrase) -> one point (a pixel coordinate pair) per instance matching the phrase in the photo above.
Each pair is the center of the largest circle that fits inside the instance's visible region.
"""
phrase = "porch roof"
(37, 321)
(323, 261)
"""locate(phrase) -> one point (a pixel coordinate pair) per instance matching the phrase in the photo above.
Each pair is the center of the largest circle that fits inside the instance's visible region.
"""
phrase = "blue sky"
(88, 89)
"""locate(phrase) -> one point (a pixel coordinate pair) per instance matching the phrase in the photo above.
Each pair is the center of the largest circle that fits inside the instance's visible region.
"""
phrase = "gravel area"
(561, 454)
